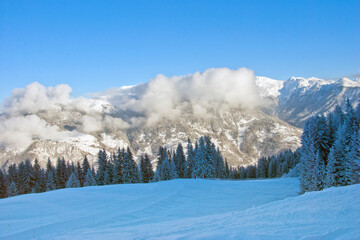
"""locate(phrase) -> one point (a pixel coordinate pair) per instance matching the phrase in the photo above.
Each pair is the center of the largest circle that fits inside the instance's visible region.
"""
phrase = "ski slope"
(185, 209)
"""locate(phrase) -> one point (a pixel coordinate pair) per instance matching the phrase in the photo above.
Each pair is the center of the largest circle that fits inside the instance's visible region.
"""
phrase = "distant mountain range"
(242, 134)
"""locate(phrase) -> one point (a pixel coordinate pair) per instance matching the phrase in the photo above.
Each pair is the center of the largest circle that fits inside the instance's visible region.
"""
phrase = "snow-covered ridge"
(107, 119)
(184, 209)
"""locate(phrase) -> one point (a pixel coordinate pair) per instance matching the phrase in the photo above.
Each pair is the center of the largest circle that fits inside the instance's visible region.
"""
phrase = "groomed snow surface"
(185, 209)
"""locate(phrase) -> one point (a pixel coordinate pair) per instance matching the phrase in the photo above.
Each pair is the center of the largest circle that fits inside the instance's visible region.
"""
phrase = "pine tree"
(227, 170)
(272, 167)
(38, 178)
(318, 173)
(130, 170)
(50, 177)
(179, 161)
(3, 185)
(102, 166)
(210, 156)
(146, 170)
(220, 166)
(173, 170)
(85, 166)
(354, 158)
(338, 167)
(200, 169)
(190, 164)
(61, 173)
(118, 167)
(12, 190)
(168, 170)
(89, 179)
(73, 181)
(13, 175)
(261, 168)
(26, 177)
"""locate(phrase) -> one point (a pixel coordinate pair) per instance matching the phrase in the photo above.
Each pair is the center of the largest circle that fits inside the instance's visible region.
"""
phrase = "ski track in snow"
(185, 209)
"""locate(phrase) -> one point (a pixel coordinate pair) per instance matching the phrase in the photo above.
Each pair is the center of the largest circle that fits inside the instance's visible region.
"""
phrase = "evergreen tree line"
(203, 160)
(266, 167)
(330, 152)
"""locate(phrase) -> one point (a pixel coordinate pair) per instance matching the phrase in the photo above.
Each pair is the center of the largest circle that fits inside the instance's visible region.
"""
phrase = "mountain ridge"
(243, 135)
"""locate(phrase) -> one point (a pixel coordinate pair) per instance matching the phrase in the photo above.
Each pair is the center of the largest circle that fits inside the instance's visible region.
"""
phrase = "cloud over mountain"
(199, 93)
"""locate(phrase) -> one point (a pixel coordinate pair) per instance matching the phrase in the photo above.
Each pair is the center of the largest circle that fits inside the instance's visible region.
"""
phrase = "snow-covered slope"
(185, 209)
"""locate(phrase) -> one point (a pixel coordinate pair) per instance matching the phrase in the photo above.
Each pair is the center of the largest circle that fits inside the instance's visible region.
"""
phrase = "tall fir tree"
(338, 172)
(180, 162)
(190, 164)
(118, 167)
(146, 170)
(130, 170)
(73, 181)
(89, 179)
(12, 190)
(102, 166)
(85, 166)
(3, 185)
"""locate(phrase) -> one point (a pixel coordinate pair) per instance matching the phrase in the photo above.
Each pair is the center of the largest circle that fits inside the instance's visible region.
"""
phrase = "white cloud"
(18, 132)
(162, 97)
(35, 97)
(215, 89)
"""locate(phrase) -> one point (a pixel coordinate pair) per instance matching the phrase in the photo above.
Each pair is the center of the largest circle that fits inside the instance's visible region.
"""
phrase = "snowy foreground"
(185, 209)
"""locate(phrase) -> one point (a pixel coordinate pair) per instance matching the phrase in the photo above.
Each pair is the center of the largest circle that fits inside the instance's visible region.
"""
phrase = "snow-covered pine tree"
(337, 170)
(200, 169)
(210, 156)
(173, 170)
(354, 158)
(357, 117)
(308, 153)
(50, 181)
(50, 178)
(89, 179)
(73, 181)
(318, 173)
(130, 170)
(168, 170)
(24, 178)
(12, 190)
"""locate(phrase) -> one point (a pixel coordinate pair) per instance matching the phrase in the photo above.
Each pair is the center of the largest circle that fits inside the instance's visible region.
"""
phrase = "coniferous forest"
(330, 152)
(329, 156)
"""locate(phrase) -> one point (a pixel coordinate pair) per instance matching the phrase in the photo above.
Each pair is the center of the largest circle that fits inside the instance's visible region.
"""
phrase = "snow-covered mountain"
(242, 135)
(297, 99)
(73, 128)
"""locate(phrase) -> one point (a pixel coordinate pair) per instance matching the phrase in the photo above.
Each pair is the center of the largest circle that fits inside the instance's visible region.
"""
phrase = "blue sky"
(94, 45)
